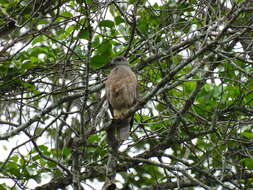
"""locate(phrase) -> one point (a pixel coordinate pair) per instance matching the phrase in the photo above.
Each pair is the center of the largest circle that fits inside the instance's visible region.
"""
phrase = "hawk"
(121, 94)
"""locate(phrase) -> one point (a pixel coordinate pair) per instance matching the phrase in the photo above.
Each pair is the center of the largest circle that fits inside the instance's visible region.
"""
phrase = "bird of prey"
(121, 94)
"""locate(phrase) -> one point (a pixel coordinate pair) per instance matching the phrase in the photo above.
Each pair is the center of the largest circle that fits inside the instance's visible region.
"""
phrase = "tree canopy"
(192, 127)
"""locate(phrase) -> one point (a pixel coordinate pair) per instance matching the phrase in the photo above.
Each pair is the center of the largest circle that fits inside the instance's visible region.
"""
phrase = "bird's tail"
(123, 130)
(122, 125)
(118, 132)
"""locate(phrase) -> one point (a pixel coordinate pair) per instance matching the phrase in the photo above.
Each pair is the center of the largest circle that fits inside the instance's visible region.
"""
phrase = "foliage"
(193, 122)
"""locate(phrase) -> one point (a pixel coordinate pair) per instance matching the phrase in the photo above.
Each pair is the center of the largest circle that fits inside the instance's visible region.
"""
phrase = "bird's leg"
(120, 114)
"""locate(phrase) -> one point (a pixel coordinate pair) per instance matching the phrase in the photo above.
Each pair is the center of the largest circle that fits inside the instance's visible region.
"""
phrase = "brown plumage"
(121, 93)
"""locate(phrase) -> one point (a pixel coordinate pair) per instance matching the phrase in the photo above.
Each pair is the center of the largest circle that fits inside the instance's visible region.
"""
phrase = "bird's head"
(120, 60)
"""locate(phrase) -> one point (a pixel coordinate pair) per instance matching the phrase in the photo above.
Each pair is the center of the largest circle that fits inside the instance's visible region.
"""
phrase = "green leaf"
(70, 29)
(248, 162)
(248, 135)
(89, 2)
(84, 34)
(38, 39)
(93, 138)
(143, 25)
(51, 164)
(3, 187)
(14, 158)
(106, 23)
(98, 61)
(37, 50)
(160, 107)
(36, 157)
(5, 2)
(92, 149)
(66, 14)
(62, 36)
(66, 151)
(43, 148)
(105, 48)
(42, 21)
(250, 84)
(119, 20)
(34, 60)
(13, 168)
